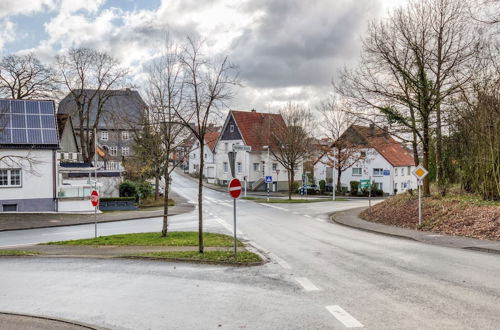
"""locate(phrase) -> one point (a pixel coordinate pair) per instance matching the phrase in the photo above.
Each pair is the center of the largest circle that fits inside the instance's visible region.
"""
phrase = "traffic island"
(290, 201)
(177, 246)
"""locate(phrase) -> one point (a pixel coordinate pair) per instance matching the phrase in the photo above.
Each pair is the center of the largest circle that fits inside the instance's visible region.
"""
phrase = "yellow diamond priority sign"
(420, 172)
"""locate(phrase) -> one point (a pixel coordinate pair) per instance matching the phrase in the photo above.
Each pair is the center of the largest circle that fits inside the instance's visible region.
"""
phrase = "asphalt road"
(321, 276)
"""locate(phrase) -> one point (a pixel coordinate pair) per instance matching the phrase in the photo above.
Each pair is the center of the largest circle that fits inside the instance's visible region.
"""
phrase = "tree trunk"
(164, 230)
(439, 153)
(200, 198)
(157, 185)
(291, 175)
(425, 147)
(339, 174)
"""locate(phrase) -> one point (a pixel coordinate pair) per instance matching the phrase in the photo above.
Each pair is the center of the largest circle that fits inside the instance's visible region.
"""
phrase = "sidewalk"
(16, 221)
(351, 218)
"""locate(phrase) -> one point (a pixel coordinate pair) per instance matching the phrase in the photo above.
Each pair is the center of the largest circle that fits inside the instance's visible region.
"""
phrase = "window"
(363, 154)
(113, 151)
(395, 172)
(125, 151)
(10, 178)
(402, 171)
(206, 155)
(125, 135)
(356, 171)
(402, 185)
(104, 135)
(238, 167)
(231, 128)
(225, 167)
(256, 167)
(409, 170)
(226, 147)
(378, 172)
(10, 207)
(275, 166)
(379, 185)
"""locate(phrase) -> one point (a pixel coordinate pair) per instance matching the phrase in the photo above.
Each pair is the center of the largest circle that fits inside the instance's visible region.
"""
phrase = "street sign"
(240, 147)
(277, 172)
(232, 156)
(269, 179)
(364, 183)
(235, 188)
(94, 198)
(420, 172)
(387, 172)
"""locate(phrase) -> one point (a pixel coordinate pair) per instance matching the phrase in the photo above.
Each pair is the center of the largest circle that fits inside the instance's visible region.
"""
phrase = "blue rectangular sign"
(269, 179)
(387, 172)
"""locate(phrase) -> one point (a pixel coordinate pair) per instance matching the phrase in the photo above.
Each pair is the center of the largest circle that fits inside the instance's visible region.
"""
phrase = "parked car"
(311, 189)
(328, 187)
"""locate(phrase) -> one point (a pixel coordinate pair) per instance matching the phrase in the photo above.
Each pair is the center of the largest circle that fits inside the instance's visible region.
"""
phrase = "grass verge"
(289, 201)
(225, 257)
(176, 238)
(16, 253)
(151, 202)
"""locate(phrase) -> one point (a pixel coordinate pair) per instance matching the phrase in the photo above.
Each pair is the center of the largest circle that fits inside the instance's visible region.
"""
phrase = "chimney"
(372, 129)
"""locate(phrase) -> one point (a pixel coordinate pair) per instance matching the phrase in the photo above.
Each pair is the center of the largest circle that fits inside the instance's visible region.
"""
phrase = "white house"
(209, 157)
(378, 156)
(251, 129)
(28, 156)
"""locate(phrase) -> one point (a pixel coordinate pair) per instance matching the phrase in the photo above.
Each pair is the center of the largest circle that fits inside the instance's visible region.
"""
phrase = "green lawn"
(244, 257)
(176, 238)
(17, 253)
(292, 201)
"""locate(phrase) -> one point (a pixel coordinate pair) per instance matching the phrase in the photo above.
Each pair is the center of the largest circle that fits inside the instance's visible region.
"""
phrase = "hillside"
(456, 214)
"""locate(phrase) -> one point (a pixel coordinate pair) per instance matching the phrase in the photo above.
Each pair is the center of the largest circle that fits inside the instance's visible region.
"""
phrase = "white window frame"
(9, 178)
(275, 167)
(104, 135)
(125, 151)
(239, 167)
(125, 135)
(409, 170)
(402, 171)
(379, 170)
(225, 167)
(113, 151)
(231, 128)
(395, 171)
(357, 174)
(256, 168)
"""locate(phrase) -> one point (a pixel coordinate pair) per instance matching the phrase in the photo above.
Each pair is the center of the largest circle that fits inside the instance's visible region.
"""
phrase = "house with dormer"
(209, 156)
(253, 130)
(378, 156)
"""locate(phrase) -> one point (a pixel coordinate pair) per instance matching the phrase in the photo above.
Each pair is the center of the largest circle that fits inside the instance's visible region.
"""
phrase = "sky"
(285, 50)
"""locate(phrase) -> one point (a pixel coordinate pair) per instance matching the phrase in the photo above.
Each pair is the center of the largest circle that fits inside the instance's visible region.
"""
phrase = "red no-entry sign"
(235, 188)
(94, 198)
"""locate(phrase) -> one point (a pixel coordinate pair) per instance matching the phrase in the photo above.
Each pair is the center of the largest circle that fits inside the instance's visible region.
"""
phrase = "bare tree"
(342, 154)
(90, 77)
(25, 77)
(165, 98)
(411, 64)
(291, 139)
(207, 89)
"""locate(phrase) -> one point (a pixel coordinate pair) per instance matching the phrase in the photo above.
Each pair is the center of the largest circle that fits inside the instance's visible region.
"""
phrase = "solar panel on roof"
(27, 122)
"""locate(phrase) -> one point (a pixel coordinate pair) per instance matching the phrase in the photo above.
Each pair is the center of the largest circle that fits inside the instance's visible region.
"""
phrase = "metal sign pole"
(370, 197)
(95, 221)
(419, 203)
(235, 241)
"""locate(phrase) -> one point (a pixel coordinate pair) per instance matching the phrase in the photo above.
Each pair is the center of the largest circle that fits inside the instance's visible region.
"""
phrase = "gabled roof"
(211, 139)
(380, 140)
(122, 109)
(64, 120)
(255, 127)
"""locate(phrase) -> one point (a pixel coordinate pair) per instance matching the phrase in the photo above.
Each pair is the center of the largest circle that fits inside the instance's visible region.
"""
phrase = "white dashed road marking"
(344, 317)
(307, 284)
(274, 207)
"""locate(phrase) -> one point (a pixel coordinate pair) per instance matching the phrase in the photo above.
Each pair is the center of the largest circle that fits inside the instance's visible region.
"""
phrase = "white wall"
(194, 158)
(36, 182)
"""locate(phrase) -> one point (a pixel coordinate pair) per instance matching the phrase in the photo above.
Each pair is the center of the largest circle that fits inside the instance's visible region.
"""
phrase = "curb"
(61, 320)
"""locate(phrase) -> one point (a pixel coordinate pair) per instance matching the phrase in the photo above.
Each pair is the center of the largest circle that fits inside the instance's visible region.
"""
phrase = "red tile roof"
(211, 139)
(390, 149)
(255, 127)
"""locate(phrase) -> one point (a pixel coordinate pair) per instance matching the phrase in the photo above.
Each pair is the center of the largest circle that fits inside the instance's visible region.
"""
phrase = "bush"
(322, 186)
(145, 189)
(295, 186)
(354, 187)
(375, 191)
(116, 199)
(128, 189)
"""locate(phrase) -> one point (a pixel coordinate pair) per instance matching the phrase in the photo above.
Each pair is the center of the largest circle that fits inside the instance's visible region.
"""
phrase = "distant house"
(69, 151)
(28, 156)
(251, 129)
(209, 156)
(387, 162)
(120, 118)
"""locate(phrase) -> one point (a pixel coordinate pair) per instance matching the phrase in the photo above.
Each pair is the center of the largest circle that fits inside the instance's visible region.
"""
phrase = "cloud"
(16, 7)
(7, 32)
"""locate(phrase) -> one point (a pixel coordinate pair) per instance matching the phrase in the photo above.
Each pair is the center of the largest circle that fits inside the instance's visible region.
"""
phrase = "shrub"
(116, 199)
(322, 186)
(295, 186)
(354, 187)
(128, 189)
(145, 189)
